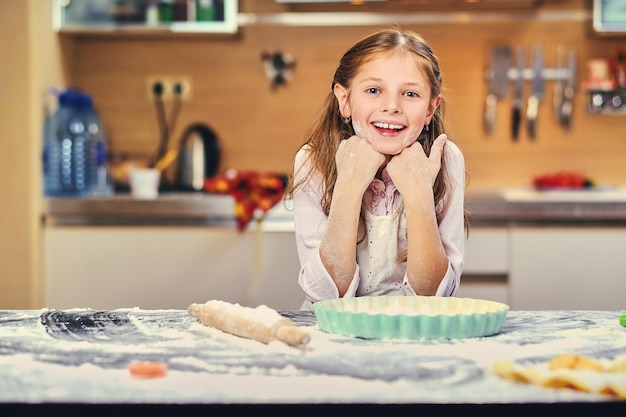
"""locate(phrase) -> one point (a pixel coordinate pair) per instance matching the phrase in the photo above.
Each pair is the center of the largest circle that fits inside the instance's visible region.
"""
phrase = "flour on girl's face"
(361, 131)
(410, 136)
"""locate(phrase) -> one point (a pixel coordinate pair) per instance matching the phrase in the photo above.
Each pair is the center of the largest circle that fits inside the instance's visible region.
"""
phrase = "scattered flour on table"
(263, 314)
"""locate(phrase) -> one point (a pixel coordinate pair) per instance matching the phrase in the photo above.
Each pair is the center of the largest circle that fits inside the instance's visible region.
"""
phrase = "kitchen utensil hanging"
(538, 74)
(501, 62)
(532, 109)
(566, 108)
(516, 115)
(557, 95)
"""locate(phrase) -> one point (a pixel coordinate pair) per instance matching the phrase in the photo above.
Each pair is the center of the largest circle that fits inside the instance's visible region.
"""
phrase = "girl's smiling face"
(389, 102)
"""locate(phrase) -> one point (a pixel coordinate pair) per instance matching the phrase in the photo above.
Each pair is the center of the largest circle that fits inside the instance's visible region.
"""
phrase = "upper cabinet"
(609, 17)
(145, 17)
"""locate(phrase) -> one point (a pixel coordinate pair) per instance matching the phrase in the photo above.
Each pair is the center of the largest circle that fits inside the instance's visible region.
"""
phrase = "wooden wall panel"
(16, 222)
(30, 65)
(261, 129)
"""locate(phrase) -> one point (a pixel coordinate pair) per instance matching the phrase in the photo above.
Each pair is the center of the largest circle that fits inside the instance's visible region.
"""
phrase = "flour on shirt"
(378, 255)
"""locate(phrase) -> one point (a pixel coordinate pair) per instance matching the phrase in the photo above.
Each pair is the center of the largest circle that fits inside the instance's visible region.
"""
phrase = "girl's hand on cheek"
(357, 162)
(412, 168)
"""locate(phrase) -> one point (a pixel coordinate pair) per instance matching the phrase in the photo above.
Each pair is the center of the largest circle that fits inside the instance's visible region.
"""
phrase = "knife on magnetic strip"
(557, 98)
(516, 117)
(537, 94)
(500, 64)
(565, 112)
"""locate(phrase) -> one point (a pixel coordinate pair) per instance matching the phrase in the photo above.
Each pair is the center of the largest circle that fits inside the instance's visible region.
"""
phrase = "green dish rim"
(353, 317)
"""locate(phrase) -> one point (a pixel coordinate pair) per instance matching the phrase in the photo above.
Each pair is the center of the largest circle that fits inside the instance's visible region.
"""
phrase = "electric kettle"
(198, 158)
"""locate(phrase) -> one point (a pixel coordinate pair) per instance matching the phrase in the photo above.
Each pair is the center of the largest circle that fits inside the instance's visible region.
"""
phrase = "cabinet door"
(168, 267)
(274, 279)
(568, 268)
(486, 265)
(486, 251)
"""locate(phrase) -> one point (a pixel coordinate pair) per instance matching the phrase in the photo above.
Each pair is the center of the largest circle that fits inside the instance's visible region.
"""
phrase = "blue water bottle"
(59, 151)
(98, 178)
(75, 149)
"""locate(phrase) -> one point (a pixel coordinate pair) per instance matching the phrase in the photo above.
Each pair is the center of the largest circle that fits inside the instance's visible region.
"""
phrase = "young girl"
(378, 190)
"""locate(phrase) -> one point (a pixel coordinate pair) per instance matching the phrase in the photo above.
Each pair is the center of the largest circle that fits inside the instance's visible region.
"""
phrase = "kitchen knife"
(537, 94)
(500, 64)
(516, 117)
(565, 113)
(557, 98)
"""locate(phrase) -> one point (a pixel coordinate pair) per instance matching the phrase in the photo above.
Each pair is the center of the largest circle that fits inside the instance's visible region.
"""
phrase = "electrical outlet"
(169, 84)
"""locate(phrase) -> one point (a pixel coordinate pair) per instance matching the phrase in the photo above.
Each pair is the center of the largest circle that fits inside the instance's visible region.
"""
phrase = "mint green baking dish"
(410, 317)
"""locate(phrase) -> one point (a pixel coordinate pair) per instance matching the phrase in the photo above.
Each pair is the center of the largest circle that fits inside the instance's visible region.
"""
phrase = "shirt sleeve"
(451, 223)
(310, 223)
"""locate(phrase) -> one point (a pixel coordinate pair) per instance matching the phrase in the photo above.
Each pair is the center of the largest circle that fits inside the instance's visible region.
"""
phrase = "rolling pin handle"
(194, 309)
(292, 335)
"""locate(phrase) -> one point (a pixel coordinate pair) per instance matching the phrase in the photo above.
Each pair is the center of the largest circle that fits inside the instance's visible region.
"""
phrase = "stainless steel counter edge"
(484, 207)
(524, 206)
(170, 209)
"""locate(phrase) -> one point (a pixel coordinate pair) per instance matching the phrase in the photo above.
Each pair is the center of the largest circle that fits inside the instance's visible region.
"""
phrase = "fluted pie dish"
(410, 317)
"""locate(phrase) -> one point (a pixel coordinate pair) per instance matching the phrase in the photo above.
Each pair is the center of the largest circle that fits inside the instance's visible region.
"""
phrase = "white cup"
(144, 183)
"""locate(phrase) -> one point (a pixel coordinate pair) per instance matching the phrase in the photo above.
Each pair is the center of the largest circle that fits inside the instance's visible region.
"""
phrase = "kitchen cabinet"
(547, 267)
(162, 267)
(145, 17)
(171, 267)
(528, 268)
(486, 269)
(526, 249)
(567, 267)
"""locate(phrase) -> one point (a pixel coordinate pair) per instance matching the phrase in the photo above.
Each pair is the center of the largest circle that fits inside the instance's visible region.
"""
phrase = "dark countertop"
(80, 357)
(528, 207)
(168, 208)
(485, 207)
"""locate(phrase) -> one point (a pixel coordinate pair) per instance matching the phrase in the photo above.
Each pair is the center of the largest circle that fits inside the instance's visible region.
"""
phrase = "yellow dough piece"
(567, 381)
(509, 370)
(618, 366)
(569, 371)
(571, 361)
(614, 390)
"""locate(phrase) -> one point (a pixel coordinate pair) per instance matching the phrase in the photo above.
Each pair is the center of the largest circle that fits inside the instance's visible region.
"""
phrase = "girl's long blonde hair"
(329, 128)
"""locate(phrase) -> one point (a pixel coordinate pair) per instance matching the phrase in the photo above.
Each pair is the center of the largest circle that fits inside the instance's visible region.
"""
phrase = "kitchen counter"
(485, 207)
(175, 208)
(179, 209)
(77, 359)
(527, 206)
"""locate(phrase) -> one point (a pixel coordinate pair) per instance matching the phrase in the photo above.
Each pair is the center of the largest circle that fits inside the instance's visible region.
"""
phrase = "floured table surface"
(82, 356)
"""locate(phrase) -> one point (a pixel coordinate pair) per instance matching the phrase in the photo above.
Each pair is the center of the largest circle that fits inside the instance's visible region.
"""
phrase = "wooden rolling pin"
(261, 323)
